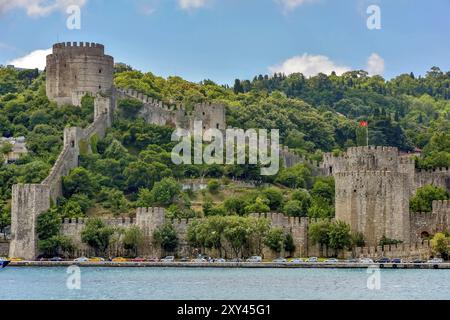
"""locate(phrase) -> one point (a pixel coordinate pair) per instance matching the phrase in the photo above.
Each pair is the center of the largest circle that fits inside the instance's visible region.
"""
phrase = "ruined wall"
(76, 67)
(424, 224)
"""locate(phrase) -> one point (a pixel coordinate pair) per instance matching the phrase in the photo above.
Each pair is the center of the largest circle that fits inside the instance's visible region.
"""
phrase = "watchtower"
(78, 67)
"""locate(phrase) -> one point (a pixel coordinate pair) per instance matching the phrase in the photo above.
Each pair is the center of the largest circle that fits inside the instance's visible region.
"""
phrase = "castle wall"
(78, 67)
(4, 248)
(72, 71)
(425, 224)
(155, 112)
(438, 177)
(420, 250)
(28, 201)
(375, 203)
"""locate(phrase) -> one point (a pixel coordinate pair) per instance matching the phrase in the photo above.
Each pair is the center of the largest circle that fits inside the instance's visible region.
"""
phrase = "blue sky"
(226, 39)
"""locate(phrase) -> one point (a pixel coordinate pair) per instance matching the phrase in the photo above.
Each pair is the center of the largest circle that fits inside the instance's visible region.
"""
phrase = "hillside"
(131, 166)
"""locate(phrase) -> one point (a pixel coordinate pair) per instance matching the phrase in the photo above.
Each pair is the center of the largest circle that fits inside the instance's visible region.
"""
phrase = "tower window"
(217, 126)
(100, 87)
(204, 113)
(99, 70)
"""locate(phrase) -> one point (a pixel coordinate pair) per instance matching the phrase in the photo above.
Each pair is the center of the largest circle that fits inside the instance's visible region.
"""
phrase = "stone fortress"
(373, 184)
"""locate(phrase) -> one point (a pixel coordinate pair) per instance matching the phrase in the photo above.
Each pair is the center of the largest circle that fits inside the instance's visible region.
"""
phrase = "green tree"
(132, 239)
(319, 232)
(275, 197)
(259, 206)
(213, 186)
(56, 245)
(166, 237)
(80, 181)
(339, 235)
(441, 245)
(422, 201)
(164, 193)
(48, 224)
(97, 235)
(294, 208)
(129, 108)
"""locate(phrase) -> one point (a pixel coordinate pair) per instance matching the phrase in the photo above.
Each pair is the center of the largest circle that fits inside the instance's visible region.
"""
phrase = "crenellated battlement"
(445, 171)
(125, 222)
(441, 205)
(291, 158)
(78, 47)
(177, 115)
(366, 173)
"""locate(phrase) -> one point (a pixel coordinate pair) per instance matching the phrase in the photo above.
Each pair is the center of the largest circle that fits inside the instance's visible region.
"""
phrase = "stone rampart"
(425, 224)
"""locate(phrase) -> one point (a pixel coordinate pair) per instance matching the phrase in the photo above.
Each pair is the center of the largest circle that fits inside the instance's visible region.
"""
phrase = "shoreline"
(269, 265)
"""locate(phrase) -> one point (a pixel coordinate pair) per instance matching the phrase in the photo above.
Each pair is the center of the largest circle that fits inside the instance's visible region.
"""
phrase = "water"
(222, 284)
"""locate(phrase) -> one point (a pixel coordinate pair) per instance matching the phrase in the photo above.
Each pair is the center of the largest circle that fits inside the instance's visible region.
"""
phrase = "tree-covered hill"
(131, 166)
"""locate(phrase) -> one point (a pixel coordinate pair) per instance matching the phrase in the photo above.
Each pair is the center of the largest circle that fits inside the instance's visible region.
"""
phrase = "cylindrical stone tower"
(78, 67)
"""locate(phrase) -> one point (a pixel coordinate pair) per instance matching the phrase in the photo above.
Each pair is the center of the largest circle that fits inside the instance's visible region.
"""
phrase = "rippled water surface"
(218, 284)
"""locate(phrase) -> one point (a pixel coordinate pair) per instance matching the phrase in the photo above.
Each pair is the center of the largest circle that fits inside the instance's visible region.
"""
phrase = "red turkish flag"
(363, 124)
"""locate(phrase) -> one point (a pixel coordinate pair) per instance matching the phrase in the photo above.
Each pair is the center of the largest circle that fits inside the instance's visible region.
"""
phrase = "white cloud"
(38, 8)
(375, 65)
(289, 5)
(192, 4)
(35, 59)
(309, 65)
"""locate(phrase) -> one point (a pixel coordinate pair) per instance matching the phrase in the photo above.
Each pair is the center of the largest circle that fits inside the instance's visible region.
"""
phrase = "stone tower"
(74, 69)
(373, 187)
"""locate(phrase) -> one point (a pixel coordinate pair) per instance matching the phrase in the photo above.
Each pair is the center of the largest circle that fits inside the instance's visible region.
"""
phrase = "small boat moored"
(4, 263)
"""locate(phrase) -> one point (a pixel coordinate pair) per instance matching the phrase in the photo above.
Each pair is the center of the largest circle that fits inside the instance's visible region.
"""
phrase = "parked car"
(81, 259)
(351, 260)
(279, 260)
(153, 260)
(119, 259)
(383, 260)
(220, 260)
(417, 261)
(56, 259)
(98, 259)
(168, 259)
(332, 260)
(254, 259)
(365, 261)
(199, 260)
(138, 260)
(435, 260)
(312, 259)
(396, 260)
(184, 259)
(297, 260)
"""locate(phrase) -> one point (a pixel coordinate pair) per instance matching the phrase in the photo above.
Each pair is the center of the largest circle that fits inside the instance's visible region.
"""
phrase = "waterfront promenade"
(305, 265)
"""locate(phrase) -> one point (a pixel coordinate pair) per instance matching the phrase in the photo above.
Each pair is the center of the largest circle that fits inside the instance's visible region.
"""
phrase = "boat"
(4, 263)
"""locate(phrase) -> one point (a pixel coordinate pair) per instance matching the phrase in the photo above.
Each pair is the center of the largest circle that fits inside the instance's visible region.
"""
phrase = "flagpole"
(367, 133)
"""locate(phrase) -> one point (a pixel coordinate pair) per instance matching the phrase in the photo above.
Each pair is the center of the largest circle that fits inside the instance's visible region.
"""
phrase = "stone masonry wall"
(425, 224)
(155, 112)
(76, 67)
